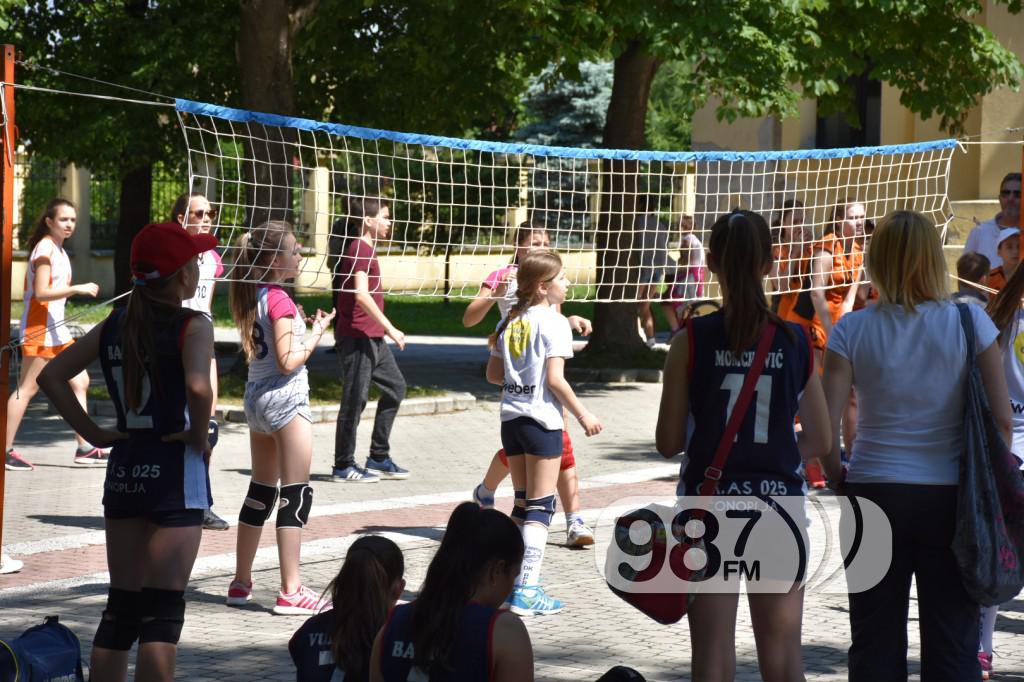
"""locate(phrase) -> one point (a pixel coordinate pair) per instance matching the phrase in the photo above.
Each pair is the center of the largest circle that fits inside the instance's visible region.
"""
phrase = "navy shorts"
(175, 518)
(523, 435)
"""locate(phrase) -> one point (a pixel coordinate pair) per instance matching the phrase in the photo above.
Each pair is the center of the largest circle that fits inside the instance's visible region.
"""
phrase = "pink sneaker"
(302, 602)
(239, 593)
(94, 457)
(986, 665)
(13, 461)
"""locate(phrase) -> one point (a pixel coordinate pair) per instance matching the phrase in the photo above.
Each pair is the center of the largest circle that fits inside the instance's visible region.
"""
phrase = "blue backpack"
(45, 653)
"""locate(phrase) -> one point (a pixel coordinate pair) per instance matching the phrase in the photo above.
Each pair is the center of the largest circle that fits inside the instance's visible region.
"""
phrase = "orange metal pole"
(8, 143)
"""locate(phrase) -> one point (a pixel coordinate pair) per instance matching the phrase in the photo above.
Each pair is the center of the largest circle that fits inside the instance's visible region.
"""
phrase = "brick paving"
(53, 522)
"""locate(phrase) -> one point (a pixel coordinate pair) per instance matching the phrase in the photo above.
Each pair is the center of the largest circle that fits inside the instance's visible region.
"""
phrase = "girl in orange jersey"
(840, 263)
(43, 333)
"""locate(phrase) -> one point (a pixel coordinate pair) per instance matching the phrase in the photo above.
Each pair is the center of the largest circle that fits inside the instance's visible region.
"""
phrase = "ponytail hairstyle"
(524, 233)
(145, 313)
(740, 253)
(1004, 305)
(42, 229)
(257, 250)
(362, 594)
(539, 266)
(474, 539)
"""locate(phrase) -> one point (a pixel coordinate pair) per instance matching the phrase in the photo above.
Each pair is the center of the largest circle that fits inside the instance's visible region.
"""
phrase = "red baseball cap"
(162, 249)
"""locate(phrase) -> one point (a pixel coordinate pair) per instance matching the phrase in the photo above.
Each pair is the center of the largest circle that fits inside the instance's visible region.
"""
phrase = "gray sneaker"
(213, 522)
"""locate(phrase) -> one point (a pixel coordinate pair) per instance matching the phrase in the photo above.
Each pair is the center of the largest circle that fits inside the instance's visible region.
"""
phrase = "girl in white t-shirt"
(277, 409)
(1008, 316)
(528, 352)
(500, 287)
(43, 333)
(194, 213)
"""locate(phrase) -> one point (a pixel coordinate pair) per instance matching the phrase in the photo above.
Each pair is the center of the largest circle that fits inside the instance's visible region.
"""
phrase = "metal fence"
(36, 182)
(105, 213)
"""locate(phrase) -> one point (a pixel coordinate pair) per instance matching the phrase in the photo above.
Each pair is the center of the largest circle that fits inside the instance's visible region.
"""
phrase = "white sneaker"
(578, 535)
(9, 564)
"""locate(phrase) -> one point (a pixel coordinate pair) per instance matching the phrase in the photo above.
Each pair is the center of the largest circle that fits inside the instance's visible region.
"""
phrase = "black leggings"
(922, 519)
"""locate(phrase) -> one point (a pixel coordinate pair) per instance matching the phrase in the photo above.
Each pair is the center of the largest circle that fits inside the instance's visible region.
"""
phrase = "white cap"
(1006, 233)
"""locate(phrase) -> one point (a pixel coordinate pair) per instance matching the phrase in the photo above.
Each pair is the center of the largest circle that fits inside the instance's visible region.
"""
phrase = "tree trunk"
(615, 324)
(264, 56)
(135, 209)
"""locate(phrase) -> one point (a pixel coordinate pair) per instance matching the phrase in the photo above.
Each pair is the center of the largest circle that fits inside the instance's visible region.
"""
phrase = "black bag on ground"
(989, 539)
(45, 653)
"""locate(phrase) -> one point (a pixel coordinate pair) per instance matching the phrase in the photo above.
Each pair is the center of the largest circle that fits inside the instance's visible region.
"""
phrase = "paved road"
(53, 521)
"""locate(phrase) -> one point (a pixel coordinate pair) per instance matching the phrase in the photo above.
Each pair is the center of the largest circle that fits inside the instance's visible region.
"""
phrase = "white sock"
(485, 491)
(988, 627)
(572, 516)
(535, 537)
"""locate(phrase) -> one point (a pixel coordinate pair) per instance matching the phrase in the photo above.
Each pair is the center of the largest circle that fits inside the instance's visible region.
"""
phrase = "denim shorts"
(272, 403)
(525, 436)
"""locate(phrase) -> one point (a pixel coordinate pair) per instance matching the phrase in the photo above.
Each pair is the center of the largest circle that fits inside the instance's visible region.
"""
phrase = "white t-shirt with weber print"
(524, 346)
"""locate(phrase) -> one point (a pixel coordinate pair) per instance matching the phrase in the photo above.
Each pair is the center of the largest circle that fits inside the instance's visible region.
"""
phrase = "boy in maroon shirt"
(359, 331)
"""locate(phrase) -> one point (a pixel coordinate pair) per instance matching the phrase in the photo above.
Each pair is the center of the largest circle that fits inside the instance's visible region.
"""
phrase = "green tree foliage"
(670, 112)
(180, 49)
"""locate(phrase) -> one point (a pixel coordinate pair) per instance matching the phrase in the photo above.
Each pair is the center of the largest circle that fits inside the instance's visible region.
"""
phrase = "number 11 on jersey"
(763, 402)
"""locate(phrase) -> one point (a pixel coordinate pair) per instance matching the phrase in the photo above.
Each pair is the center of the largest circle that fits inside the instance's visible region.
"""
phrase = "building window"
(835, 130)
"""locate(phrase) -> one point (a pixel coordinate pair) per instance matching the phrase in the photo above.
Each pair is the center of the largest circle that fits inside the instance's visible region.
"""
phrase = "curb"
(235, 414)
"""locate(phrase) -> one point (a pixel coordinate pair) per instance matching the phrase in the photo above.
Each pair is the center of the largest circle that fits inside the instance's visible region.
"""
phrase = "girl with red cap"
(156, 359)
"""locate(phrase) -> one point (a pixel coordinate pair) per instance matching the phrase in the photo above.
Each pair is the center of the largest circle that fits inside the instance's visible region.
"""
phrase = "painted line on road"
(98, 537)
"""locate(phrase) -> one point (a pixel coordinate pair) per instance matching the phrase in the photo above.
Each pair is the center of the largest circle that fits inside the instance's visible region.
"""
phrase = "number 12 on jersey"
(763, 402)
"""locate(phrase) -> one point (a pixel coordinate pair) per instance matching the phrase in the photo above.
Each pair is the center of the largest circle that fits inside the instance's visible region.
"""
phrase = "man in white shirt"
(984, 238)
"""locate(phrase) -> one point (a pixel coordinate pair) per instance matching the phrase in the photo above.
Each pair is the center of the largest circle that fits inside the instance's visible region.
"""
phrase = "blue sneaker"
(386, 469)
(531, 600)
(482, 501)
(353, 474)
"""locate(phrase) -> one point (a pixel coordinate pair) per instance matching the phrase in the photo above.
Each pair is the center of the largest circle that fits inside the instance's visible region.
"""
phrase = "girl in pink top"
(500, 287)
(276, 345)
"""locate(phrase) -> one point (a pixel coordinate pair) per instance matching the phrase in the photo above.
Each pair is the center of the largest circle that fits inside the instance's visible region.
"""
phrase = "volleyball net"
(619, 218)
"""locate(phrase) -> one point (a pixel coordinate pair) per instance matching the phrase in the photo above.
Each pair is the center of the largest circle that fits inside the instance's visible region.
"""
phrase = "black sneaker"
(213, 522)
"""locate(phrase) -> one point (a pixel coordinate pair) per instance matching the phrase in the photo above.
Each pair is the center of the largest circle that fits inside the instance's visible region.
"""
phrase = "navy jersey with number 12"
(146, 474)
(764, 459)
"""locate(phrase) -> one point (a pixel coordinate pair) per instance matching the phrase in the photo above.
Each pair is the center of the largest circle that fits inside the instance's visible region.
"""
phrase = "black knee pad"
(163, 615)
(258, 504)
(519, 511)
(540, 510)
(119, 627)
(296, 501)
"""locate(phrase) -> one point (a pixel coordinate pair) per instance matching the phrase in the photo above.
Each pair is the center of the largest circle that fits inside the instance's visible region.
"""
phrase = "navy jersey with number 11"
(764, 459)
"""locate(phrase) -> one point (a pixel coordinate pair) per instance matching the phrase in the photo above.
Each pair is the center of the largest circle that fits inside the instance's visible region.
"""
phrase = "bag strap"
(714, 472)
(967, 324)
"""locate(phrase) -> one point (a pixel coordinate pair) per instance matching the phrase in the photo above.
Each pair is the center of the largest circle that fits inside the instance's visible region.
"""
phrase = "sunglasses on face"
(1010, 192)
(204, 212)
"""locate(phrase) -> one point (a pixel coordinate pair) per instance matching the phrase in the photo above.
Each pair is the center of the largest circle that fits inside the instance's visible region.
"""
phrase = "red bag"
(670, 607)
